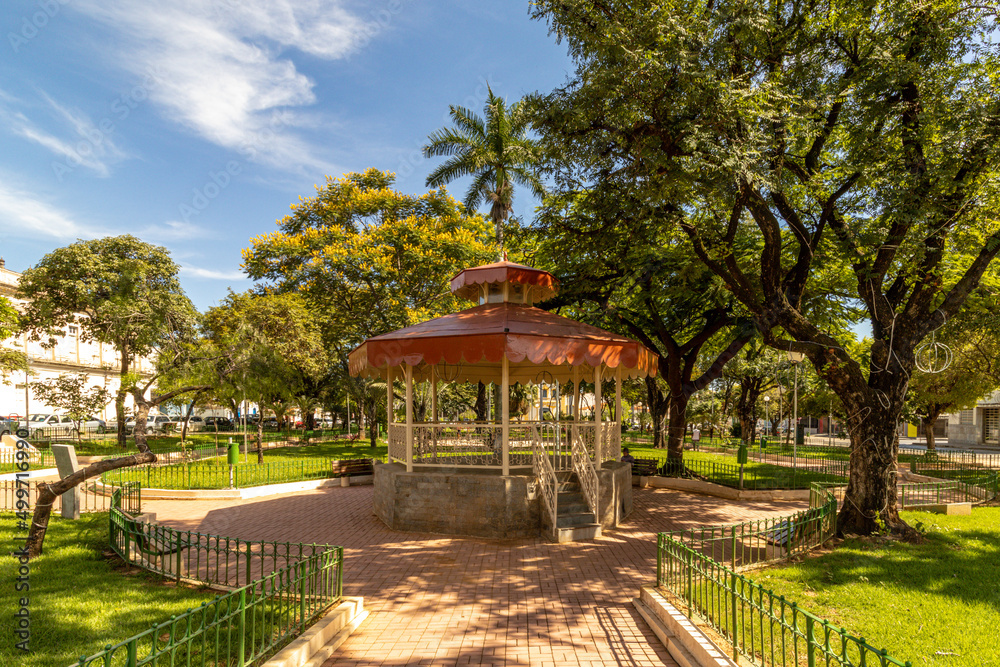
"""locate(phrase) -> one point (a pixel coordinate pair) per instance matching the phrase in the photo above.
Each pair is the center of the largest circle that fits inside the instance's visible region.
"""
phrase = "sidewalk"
(441, 600)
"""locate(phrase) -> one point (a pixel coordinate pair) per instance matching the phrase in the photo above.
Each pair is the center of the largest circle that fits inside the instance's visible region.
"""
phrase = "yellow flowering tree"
(369, 259)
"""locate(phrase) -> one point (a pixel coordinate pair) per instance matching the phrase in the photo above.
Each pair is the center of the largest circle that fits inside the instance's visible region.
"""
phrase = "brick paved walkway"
(438, 600)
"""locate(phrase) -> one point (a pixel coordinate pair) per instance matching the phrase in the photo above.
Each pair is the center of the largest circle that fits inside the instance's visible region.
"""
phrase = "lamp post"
(767, 413)
(795, 358)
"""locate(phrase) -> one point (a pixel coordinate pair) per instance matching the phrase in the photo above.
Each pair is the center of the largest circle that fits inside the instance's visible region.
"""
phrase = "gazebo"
(503, 478)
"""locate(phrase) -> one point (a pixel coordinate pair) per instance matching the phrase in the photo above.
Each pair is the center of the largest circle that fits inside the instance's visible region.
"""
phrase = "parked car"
(154, 424)
(41, 425)
(7, 426)
(218, 424)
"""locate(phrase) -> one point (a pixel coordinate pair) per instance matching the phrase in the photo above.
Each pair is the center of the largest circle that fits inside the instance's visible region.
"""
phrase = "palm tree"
(497, 152)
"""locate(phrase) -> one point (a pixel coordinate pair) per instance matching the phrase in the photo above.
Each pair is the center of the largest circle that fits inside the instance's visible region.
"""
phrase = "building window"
(965, 417)
(72, 331)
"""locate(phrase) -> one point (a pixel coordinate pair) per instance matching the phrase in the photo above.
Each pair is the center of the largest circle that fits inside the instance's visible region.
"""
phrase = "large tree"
(10, 359)
(119, 290)
(828, 133)
(626, 271)
(368, 260)
(273, 347)
(73, 394)
(496, 152)
(61, 292)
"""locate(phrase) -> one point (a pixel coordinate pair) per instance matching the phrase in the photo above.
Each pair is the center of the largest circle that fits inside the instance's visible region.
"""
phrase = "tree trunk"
(260, 439)
(928, 424)
(677, 419)
(481, 402)
(120, 399)
(658, 406)
(869, 504)
(746, 407)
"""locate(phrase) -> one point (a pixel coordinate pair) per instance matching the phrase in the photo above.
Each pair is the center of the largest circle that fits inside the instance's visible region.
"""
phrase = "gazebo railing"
(480, 444)
(545, 476)
(583, 466)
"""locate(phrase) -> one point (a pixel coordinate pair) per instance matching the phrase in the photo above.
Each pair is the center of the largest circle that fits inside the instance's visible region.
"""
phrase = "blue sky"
(194, 124)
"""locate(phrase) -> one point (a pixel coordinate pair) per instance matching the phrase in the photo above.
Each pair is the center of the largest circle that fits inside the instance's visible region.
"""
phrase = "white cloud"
(21, 214)
(81, 144)
(223, 68)
(173, 230)
(211, 274)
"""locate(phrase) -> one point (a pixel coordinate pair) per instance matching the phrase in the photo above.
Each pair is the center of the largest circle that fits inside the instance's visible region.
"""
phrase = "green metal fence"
(756, 476)
(763, 628)
(295, 584)
(9, 458)
(215, 474)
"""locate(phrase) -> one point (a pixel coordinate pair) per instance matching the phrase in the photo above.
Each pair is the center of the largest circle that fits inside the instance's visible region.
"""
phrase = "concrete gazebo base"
(483, 502)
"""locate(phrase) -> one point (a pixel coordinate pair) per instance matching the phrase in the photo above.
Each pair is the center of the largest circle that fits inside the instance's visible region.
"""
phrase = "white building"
(978, 426)
(71, 355)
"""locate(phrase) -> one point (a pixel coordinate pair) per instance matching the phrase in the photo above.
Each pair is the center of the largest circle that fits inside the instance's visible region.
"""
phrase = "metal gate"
(991, 426)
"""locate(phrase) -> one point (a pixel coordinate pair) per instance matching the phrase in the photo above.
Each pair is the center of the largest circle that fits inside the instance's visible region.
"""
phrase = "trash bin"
(234, 452)
(763, 442)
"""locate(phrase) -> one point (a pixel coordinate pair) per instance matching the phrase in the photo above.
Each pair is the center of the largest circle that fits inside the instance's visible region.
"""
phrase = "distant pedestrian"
(626, 457)
(695, 438)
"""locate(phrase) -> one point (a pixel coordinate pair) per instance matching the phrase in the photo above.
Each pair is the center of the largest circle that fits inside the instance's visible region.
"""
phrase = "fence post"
(340, 572)
(690, 580)
(178, 547)
(810, 642)
(736, 648)
(659, 559)
(242, 627)
(302, 595)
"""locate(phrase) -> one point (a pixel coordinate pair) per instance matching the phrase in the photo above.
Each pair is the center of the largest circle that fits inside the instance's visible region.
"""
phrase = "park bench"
(151, 544)
(792, 531)
(353, 467)
(644, 467)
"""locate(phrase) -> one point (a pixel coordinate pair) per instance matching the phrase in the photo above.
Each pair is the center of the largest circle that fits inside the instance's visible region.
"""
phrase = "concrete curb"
(317, 644)
(719, 491)
(232, 494)
(684, 640)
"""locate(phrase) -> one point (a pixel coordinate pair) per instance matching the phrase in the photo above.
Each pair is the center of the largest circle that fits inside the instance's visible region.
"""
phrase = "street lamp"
(767, 413)
(795, 358)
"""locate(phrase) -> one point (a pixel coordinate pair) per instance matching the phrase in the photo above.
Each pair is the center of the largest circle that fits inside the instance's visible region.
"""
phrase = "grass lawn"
(337, 449)
(936, 603)
(80, 601)
(756, 475)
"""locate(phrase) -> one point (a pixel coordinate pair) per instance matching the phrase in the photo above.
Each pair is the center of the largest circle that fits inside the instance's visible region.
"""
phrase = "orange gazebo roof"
(470, 346)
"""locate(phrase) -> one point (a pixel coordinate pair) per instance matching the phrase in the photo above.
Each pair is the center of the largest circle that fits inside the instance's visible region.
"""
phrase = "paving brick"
(443, 600)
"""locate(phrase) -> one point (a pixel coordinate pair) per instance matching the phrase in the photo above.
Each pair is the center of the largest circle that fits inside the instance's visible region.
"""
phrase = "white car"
(154, 424)
(45, 425)
(41, 425)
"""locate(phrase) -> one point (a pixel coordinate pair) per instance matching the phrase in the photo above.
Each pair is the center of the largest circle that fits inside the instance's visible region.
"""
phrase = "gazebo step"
(587, 531)
(575, 519)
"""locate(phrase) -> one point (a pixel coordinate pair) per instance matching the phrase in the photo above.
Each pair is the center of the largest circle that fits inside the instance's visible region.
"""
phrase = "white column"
(409, 416)
(434, 410)
(575, 431)
(505, 417)
(618, 411)
(597, 416)
(390, 398)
